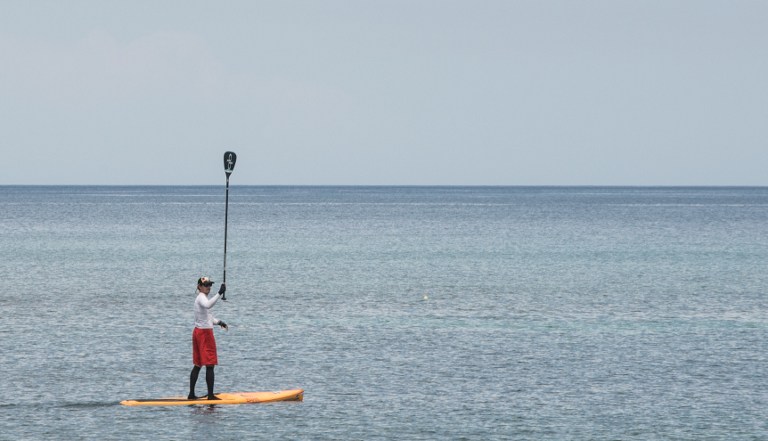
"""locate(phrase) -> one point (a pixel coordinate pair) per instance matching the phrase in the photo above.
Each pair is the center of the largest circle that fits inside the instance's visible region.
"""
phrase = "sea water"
(584, 313)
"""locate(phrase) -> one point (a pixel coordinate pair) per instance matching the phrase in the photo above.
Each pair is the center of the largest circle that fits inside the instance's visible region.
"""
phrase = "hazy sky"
(537, 92)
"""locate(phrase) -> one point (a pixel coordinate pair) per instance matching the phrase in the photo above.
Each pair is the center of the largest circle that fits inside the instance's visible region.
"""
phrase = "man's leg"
(192, 381)
(209, 379)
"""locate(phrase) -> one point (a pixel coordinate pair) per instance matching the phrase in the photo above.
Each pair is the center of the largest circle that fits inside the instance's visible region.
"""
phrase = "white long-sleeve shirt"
(203, 317)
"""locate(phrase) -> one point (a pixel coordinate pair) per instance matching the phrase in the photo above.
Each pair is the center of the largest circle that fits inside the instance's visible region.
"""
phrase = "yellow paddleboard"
(225, 398)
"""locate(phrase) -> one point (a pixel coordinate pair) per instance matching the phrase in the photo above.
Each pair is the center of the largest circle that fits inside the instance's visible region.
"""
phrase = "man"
(203, 342)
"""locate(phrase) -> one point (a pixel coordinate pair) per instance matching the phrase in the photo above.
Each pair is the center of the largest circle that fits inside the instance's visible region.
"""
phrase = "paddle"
(229, 165)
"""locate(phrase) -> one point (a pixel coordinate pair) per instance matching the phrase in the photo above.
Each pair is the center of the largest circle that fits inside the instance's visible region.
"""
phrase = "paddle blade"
(229, 162)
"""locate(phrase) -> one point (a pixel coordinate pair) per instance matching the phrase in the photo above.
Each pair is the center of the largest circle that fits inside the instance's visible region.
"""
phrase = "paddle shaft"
(226, 213)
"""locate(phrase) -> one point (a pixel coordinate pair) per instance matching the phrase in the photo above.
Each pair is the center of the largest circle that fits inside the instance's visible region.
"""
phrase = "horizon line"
(407, 185)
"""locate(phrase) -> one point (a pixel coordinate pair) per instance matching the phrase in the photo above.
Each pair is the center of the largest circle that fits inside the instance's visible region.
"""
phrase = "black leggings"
(209, 379)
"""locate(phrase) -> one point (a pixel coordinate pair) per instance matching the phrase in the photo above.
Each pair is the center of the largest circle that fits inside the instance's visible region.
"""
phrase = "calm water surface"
(404, 312)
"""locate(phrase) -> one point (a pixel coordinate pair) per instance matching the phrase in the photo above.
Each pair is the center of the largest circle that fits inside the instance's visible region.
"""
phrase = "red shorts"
(204, 348)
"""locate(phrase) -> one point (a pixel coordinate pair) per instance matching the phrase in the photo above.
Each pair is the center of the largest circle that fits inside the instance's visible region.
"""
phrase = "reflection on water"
(204, 410)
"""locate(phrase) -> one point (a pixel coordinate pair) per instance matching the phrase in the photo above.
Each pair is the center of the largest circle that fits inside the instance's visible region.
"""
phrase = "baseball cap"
(205, 281)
